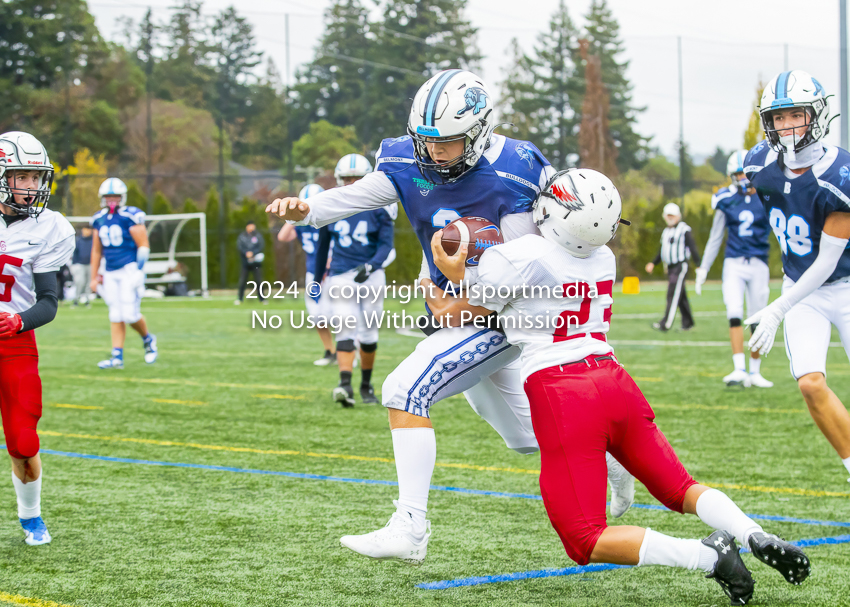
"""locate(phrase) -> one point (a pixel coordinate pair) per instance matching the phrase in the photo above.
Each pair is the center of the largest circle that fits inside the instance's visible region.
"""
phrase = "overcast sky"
(727, 47)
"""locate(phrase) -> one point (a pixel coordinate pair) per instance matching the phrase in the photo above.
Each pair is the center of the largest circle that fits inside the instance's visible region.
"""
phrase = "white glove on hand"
(702, 274)
(768, 320)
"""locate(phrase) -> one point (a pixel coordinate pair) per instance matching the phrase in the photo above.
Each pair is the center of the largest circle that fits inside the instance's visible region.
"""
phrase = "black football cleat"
(729, 571)
(367, 394)
(786, 558)
(344, 395)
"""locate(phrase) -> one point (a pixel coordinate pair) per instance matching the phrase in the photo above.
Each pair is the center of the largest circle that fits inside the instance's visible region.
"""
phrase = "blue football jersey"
(116, 243)
(507, 179)
(366, 237)
(747, 229)
(797, 208)
(309, 237)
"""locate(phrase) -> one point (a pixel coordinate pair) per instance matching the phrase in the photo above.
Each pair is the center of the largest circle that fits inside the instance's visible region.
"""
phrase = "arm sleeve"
(374, 191)
(831, 250)
(715, 239)
(46, 301)
(692, 246)
(657, 259)
(323, 248)
(385, 242)
(494, 271)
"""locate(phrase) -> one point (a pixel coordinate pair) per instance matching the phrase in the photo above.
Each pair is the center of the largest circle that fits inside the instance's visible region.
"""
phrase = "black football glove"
(363, 272)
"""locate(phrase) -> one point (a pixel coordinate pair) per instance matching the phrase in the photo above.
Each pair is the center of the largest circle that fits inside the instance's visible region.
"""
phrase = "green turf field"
(129, 533)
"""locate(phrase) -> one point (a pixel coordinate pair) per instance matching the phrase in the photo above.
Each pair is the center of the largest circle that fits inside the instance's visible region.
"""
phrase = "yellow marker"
(172, 401)
(86, 407)
(25, 601)
(631, 285)
(648, 378)
(281, 396)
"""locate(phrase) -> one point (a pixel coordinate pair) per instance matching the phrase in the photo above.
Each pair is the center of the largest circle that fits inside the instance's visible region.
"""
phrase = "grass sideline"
(136, 535)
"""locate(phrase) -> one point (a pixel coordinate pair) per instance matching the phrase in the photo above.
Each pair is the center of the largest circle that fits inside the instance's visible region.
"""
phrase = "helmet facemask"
(35, 201)
(442, 173)
(787, 140)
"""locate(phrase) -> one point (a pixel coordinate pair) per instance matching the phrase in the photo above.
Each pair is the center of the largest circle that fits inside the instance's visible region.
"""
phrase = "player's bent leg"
(827, 411)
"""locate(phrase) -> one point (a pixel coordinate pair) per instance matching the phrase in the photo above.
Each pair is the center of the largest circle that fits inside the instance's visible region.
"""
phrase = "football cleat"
(150, 349)
(328, 359)
(659, 327)
(786, 558)
(622, 488)
(35, 531)
(737, 378)
(111, 363)
(729, 571)
(394, 541)
(759, 382)
(237, 302)
(344, 395)
(367, 394)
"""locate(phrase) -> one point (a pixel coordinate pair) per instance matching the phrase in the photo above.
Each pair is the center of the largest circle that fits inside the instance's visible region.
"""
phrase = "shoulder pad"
(398, 150)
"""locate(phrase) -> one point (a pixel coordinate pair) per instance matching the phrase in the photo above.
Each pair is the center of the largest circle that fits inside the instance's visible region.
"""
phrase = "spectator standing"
(80, 268)
(250, 244)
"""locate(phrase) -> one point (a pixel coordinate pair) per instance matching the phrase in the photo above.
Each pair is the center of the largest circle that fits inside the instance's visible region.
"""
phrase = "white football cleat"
(622, 487)
(151, 351)
(737, 378)
(111, 363)
(759, 382)
(35, 531)
(394, 541)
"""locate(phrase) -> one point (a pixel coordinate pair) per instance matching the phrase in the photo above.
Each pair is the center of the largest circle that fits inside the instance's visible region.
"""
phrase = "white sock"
(755, 365)
(715, 509)
(415, 456)
(847, 463)
(29, 497)
(660, 549)
(740, 362)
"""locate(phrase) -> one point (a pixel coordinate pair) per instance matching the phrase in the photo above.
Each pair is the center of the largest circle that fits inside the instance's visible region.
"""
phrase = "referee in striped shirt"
(677, 247)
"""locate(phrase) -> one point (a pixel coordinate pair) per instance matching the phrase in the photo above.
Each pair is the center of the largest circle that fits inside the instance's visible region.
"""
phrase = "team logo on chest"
(476, 100)
(787, 188)
(424, 186)
(2, 245)
(844, 172)
(524, 153)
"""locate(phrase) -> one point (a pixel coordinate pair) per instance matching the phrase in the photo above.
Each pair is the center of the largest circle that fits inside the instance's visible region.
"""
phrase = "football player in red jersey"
(34, 244)
(584, 403)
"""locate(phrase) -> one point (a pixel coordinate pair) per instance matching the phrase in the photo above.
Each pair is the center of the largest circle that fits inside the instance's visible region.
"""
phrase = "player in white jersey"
(553, 296)
(805, 188)
(450, 165)
(739, 212)
(121, 240)
(35, 243)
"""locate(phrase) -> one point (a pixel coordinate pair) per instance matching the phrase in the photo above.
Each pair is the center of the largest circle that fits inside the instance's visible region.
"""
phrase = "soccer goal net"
(178, 248)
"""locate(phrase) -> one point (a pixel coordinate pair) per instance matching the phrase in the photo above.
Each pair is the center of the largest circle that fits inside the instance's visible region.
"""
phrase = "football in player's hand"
(476, 232)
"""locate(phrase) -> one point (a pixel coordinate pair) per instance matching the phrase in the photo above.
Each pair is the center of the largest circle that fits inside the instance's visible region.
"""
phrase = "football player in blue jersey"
(449, 165)
(318, 307)
(120, 238)
(362, 247)
(805, 188)
(739, 213)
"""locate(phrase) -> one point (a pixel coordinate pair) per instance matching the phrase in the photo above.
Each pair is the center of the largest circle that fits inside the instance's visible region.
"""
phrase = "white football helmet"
(23, 152)
(311, 189)
(351, 165)
(454, 104)
(795, 89)
(735, 169)
(580, 210)
(112, 187)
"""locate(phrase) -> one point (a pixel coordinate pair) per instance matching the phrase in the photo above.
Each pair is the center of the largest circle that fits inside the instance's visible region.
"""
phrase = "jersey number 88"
(792, 233)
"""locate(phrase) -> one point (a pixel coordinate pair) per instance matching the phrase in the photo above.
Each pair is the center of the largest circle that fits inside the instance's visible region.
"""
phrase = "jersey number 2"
(7, 280)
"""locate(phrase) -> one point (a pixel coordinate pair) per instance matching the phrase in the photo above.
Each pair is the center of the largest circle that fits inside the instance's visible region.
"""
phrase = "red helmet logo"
(562, 194)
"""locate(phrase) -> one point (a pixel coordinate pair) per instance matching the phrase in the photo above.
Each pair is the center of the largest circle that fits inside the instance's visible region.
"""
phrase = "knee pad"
(345, 345)
(735, 322)
(368, 348)
(27, 444)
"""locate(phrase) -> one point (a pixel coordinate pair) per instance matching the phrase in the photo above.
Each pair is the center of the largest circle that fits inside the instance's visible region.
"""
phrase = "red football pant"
(20, 394)
(580, 413)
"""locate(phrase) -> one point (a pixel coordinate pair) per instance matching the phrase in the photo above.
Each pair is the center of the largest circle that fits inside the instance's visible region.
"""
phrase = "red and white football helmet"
(22, 152)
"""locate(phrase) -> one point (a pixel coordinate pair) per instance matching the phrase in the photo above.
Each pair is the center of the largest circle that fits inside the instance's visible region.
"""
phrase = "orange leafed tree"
(596, 146)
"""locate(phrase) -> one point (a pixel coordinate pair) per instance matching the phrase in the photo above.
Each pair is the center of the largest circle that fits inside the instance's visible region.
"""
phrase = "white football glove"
(768, 320)
(702, 274)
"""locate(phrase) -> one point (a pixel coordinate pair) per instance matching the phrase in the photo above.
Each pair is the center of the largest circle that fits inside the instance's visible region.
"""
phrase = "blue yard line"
(366, 481)
(543, 573)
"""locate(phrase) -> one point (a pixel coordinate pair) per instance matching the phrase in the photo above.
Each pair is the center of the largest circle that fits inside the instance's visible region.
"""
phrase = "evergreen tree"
(603, 33)
(185, 72)
(718, 160)
(549, 93)
(596, 147)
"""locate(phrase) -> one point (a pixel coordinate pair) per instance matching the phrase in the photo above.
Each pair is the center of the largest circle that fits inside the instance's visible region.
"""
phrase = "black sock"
(327, 353)
(366, 376)
(345, 378)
